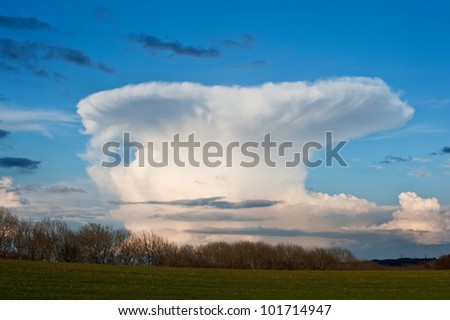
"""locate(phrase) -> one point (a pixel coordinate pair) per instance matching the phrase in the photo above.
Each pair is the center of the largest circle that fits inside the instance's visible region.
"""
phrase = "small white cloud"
(420, 172)
(418, 159)
(343, 204)
(9, 195)
(445, 165)
(409, 131)
(41, 121)
(422, 218)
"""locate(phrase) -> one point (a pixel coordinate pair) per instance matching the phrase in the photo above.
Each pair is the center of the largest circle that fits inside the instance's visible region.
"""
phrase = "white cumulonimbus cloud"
(183, 201)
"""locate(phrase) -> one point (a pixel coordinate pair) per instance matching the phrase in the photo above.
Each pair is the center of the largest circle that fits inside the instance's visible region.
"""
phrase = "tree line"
(53, 240)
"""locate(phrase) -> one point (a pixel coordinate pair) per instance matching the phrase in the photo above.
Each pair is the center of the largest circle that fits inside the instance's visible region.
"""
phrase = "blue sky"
(54, 54)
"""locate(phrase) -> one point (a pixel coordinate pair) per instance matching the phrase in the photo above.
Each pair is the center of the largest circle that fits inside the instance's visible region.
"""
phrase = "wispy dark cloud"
(64, 189)
(28, 54)
(4, 67)
(444, 150)
(365, 236)
(21, 163)
(154, 45)
(210, 216)
(68, 54)
(103, 67)
(13, 50)
(29, 187)
(245, 42)
(251, 64)
(3, 134)
(50, 189)
(268, 232)
(100, 13)
(29, 23)
(395, 159)
(38, 72)
(258, 63)
(390, 159)
(276, 232)
(215, 202)
(76, 57)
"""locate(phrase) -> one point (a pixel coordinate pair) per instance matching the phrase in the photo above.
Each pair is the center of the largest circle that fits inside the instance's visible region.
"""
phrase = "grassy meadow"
(45, 280)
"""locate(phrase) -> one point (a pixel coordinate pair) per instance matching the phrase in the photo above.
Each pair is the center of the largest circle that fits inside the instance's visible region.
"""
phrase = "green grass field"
(43, 280)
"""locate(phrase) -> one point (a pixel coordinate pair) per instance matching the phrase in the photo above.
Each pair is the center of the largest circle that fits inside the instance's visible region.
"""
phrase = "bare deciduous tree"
(8, 228)
(99, 244)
